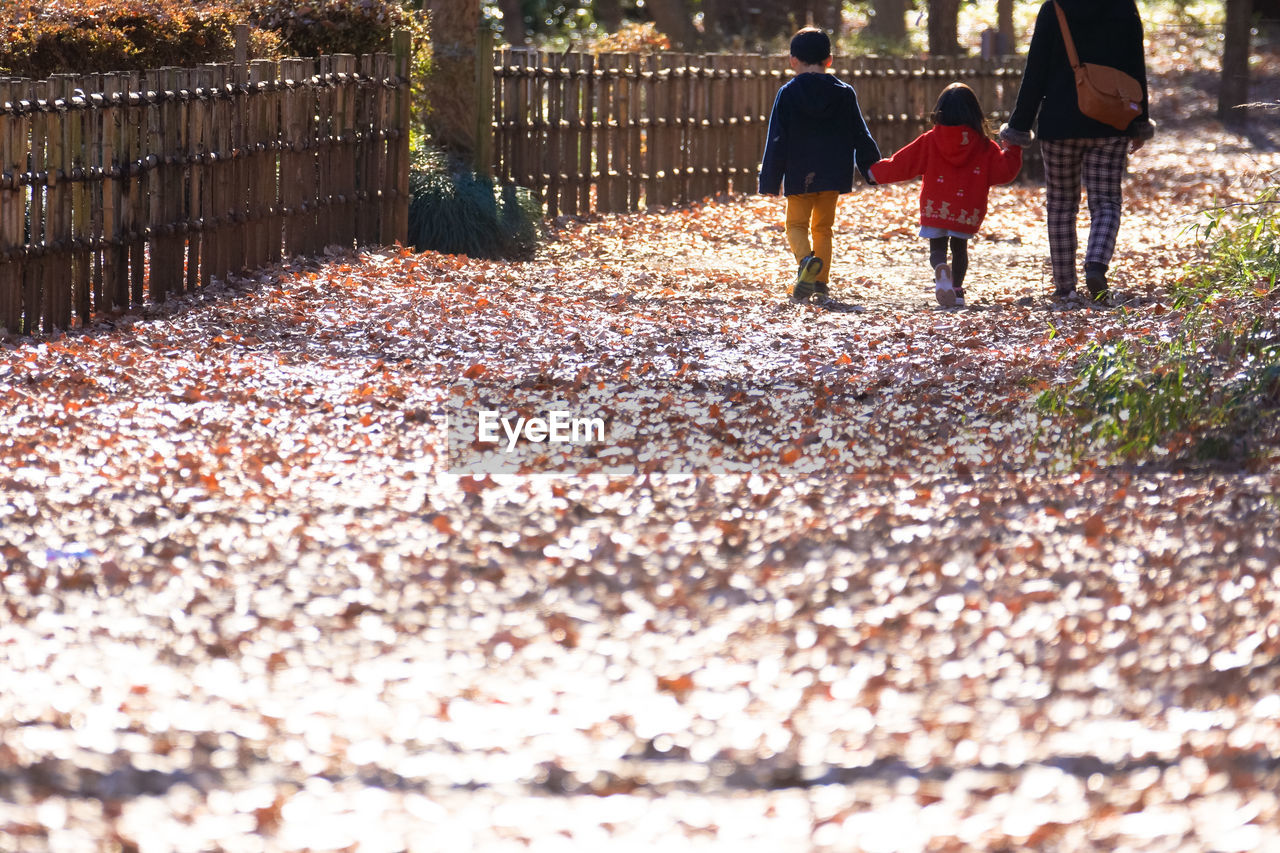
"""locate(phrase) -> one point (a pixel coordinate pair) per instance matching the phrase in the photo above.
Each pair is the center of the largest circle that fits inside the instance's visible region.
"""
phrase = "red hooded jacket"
(959, 166)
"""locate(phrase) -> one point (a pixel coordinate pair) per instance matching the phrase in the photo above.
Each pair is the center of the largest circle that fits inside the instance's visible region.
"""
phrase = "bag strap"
(1067, 41)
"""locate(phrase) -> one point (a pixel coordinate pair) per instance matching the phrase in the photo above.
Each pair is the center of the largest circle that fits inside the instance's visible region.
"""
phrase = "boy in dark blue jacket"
(816, 137)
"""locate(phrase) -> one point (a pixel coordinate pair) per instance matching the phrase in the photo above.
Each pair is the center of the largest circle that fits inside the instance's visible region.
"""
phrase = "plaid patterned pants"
(1101, 165)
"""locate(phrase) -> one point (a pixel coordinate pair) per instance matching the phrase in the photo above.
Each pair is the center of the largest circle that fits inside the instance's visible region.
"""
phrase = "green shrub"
(1128, 398)
(1213, 390)
(320, 27)
(632, 38)
(456, 211)
(97, 36)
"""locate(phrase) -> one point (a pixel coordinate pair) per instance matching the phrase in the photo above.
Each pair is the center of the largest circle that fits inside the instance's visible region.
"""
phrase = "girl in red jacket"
(960, 163)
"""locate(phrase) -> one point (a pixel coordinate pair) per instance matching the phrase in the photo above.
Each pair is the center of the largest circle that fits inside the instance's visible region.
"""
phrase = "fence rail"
(618, 132)
(118, 188)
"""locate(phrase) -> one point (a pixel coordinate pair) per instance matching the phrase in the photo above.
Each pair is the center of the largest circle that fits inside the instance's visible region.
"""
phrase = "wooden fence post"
(135, 222)
(115, 288)
(635, 130)
(33, 272)
(272, 158)
(386, 173)
(577, 154)
(370, 93)
(482, 161)
(650, 117)
(720, 163)
(172, 170)
(13, 205)
(291, 170)
(243, 238)
(205, 178)
(402, 46)
(553, 157)
(312, 231)
(60, 285)
(342, 170)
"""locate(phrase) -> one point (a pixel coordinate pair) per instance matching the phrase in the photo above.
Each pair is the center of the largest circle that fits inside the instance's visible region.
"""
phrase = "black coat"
(1106, 32)
(816, 137)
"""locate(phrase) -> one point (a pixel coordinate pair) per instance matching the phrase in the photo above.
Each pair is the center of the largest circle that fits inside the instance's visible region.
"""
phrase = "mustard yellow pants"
(810, 219)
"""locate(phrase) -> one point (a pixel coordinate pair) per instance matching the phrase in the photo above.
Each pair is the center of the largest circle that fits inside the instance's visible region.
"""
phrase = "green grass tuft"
(458, 212)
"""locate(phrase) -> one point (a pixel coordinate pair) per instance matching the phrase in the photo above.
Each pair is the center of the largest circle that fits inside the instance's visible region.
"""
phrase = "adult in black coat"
(1075, 147)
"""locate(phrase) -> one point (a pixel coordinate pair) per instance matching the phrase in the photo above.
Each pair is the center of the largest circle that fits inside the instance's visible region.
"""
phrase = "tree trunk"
(826, 15)
(609, 14)
(888, 20)
(1004, 25)
(1234, 87)
(944, 27)
(513, 28)
(673, 19)
(746, 26)
(451, 86)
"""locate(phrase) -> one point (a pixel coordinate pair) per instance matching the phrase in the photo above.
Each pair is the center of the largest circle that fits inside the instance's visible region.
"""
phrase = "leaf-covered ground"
(245, 604)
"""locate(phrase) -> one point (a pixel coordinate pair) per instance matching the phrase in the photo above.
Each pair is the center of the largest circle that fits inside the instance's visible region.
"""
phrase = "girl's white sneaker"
(943, 289)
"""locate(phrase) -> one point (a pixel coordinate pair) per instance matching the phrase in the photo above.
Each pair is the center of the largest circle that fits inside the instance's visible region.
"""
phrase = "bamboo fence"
(620, 132)
(121, 188)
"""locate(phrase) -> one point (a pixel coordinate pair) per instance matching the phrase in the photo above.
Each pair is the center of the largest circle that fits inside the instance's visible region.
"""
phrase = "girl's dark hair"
(958, 106)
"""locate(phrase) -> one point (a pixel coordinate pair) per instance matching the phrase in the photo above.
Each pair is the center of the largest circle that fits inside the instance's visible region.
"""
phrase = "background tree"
(1234, 87)
(1004, 26)
(944, 28)
(513, 27)
(609, 14)
(761, 24)
(451, 86)
(674, 19)
(888, 21)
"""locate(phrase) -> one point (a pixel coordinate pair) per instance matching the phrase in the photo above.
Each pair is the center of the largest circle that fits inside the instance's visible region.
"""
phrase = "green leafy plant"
(454, 210)
(1126, 398)
(1212, 390)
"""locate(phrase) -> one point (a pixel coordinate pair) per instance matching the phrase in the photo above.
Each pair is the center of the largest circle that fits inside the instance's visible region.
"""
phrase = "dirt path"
(244, 606)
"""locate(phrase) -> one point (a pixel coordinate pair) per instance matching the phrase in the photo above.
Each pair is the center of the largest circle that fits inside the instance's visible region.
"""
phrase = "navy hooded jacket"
(816, 138)
(1105, 32)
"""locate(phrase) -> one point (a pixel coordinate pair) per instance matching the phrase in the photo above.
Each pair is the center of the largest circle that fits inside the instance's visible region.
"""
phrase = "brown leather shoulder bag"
(1104, 93)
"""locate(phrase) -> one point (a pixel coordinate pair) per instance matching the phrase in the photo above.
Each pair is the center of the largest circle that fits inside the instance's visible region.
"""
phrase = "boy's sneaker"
(810, 267)
(821, 290)
(943, 289)
(1063, 292)
(959, 303)
(806, 278)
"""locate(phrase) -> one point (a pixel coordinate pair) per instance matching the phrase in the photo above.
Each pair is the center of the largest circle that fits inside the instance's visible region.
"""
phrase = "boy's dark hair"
(958, 106)
(811, 46)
